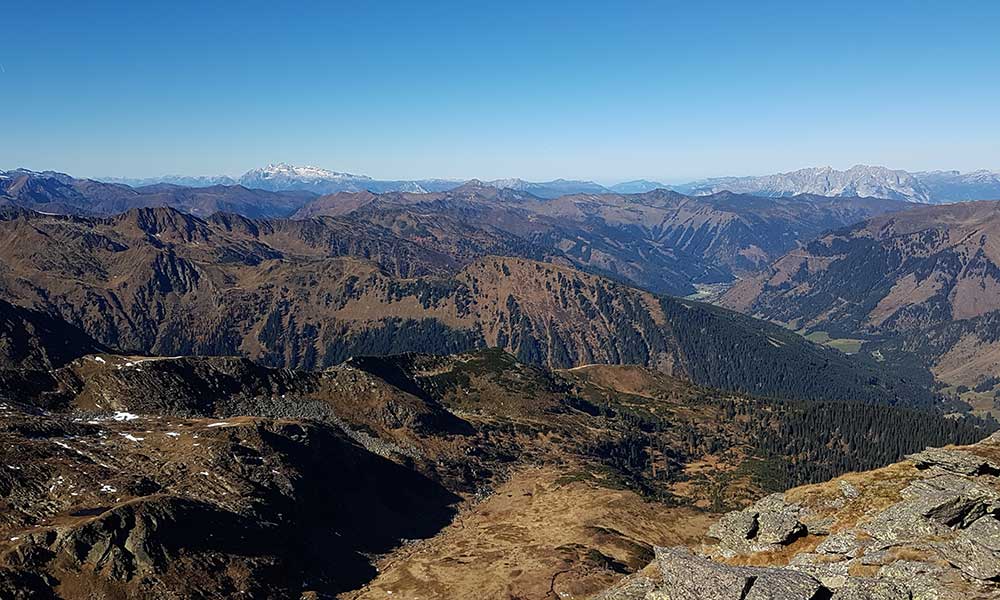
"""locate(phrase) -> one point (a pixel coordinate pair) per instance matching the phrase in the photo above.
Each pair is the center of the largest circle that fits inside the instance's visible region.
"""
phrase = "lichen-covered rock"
(955, 461)
(933, 507)
(872, 589)
(636, 587)
(972, 558)
(986, 531)
(844, 542)
(687, 576)
(764, 526)
(778, 523)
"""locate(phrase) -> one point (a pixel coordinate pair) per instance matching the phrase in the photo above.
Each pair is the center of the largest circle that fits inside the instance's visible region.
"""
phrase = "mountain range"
(659, 240)
(279, 177)
(921, 284)
(928, 187)
(483, 392)
(59, 193)
(309, 294)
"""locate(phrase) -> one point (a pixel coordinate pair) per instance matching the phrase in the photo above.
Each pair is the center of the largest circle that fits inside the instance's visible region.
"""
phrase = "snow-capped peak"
(284, 170)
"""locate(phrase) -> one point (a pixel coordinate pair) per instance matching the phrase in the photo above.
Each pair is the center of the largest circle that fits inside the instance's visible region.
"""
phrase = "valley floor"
(540, 535)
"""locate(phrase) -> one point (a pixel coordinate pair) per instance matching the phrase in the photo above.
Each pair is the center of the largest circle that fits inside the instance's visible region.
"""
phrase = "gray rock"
(902, 522)
(972, 558)
(690, 577)
(635, 587)
(778, 523)
(954, 461)
(832, 575)
(953, 500)
(879, 557)
(924, 580)
(736, 526)
(932, 507)
(762, 527)
(986, 532)
(816, 525)
(845, 542)
(849, 491)
(872, 589)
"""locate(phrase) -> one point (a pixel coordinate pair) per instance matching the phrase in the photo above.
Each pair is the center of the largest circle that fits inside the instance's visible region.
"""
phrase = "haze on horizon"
(407, 91)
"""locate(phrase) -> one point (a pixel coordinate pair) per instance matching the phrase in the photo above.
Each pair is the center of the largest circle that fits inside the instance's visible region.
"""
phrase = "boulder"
(687, 576)
(766, 525)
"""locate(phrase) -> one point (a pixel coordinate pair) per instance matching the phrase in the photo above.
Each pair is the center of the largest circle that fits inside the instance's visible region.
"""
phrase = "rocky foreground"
(925, 528)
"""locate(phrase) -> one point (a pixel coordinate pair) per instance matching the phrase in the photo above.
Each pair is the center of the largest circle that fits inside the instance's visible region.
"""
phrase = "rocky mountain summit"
(925, 528)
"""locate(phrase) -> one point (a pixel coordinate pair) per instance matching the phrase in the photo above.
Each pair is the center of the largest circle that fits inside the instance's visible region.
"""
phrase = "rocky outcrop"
(927, 528)
(759, 528)
(686, 576)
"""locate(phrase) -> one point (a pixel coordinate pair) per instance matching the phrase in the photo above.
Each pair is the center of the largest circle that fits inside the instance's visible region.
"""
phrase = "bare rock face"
(924, 529)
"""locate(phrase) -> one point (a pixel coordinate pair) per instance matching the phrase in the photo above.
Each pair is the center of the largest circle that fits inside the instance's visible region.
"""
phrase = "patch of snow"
(129, 436)
(107, 489)
(173, 434)
(124, 416)
(219, 424)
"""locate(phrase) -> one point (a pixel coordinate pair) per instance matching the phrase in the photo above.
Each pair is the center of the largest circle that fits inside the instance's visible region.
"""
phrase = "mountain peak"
(306, 172)
(859, 180)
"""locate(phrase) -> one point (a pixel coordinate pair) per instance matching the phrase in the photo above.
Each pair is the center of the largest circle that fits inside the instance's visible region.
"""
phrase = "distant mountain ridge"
(926, 187)
(660, 240)
(638, 186)
(58, 193)
(955, 186)
(182, 180)
(282, 177)
(859, 180)
(279, 177)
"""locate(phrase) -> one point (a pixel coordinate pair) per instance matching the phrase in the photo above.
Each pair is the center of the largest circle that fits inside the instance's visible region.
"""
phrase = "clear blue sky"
(594, 90)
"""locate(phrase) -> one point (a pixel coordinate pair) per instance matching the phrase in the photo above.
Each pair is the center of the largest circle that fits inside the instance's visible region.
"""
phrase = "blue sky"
(604, 91)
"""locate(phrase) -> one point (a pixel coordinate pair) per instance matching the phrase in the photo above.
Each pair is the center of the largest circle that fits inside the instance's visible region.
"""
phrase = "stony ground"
(927, 528)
